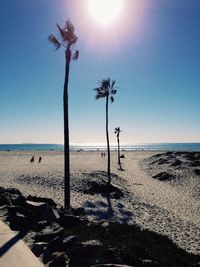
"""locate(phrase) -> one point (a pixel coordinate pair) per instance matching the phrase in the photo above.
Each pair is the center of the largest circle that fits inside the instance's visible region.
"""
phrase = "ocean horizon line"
(100, 143)
(102, 146)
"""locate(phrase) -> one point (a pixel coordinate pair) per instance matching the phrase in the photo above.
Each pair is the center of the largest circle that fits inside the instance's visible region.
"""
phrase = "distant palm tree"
(117, 132)
(68, 39)
(106, 89)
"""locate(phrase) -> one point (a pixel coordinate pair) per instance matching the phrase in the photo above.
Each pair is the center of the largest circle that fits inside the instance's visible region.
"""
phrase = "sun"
(105, 11)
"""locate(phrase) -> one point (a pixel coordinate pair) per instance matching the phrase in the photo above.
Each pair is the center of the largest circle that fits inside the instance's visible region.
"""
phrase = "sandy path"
(156, 205)
(163, 207)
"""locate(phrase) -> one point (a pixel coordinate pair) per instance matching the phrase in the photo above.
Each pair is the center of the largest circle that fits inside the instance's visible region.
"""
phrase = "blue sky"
(151, 50)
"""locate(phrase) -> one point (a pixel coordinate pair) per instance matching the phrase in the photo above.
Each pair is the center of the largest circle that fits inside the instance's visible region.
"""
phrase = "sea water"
(96, 147)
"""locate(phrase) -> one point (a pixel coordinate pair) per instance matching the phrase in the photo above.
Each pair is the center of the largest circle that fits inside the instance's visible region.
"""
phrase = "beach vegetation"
(117, 132)
(67, 40)
(106, 90)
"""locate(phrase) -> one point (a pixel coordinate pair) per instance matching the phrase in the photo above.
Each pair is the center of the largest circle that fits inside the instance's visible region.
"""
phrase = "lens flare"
(105, 11)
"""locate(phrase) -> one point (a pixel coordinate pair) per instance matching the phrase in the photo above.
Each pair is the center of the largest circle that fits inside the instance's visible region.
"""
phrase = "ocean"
(93, 147)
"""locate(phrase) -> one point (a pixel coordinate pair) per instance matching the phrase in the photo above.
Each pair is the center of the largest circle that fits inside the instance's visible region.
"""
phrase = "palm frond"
(98, 90)
(105, 89)
(100, 93)
(113, 91)
(74, 39)
(112, 84)
(62, 32)
(97, 96)
(118, 130)
(76, 55)
(69, 35)
(54, 41)
(69, 26)
(105, 83)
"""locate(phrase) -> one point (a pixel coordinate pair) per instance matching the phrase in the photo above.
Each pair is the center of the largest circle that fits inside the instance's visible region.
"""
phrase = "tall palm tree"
(117, 132)
(106, 90)
(67, 40)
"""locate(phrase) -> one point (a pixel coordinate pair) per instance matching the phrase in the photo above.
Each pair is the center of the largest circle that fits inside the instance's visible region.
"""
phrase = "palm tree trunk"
(66, 134)
(118, 152)
(108, 145)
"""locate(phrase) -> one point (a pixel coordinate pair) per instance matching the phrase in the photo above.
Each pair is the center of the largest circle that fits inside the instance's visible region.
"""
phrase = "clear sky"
(151, 49)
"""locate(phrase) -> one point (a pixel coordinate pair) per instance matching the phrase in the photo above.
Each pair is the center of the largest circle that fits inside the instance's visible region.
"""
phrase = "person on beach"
(32, 159)
(40, 159)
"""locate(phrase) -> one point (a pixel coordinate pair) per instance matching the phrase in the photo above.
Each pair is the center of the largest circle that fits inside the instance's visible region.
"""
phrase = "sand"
(169, 207)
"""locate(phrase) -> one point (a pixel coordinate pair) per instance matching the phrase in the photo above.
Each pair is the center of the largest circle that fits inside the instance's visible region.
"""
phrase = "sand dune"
(170, 207)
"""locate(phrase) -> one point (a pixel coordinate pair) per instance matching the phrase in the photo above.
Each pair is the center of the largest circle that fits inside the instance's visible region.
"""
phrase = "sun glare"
(105, 11)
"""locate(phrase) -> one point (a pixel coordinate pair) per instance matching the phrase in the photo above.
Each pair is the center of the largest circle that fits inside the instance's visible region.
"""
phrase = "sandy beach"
(167, 206)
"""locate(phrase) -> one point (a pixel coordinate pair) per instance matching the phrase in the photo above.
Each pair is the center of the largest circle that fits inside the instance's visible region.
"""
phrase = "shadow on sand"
(10, 243)
(103, 210)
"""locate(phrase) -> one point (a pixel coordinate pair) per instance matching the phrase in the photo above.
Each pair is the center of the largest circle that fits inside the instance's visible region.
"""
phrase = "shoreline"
(125, 147)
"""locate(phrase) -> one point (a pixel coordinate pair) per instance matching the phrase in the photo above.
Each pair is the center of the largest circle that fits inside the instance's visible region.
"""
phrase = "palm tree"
(117, 132)
(68, 39)
(106, 90)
